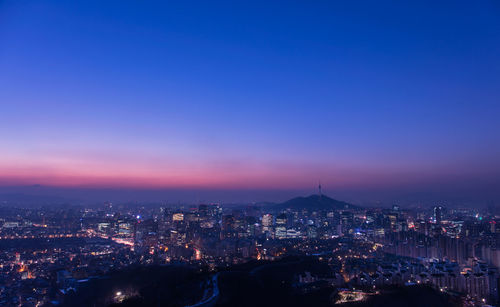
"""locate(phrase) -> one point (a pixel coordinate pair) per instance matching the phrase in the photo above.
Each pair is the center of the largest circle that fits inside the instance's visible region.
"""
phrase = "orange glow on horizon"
(122, 172)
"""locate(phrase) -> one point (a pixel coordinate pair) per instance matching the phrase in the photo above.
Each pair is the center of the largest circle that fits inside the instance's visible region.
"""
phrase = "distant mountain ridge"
(316, 202)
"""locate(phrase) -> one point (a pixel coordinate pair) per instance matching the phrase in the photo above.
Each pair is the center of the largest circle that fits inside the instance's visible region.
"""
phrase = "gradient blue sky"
(362, 95)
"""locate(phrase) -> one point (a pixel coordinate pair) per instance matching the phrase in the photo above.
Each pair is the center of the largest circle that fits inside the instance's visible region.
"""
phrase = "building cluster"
(46, 252)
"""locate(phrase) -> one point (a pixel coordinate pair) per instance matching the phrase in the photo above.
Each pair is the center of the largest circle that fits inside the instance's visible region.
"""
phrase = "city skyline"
(249, 153)
(390, 101)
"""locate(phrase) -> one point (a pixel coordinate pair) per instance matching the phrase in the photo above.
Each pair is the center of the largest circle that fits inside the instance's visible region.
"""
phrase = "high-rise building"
(229, 223)
(281, 221)
(178, 217)
(438, 214)
(203, 210)
(267, 222)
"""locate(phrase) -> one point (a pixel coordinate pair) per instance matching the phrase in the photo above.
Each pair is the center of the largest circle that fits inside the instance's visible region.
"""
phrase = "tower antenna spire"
(319, 188)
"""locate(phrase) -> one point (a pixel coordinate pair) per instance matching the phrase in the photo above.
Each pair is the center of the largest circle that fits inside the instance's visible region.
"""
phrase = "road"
(211, 293)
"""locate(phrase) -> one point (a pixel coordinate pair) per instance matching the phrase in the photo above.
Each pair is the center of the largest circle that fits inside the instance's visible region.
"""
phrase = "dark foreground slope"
(142, 286)
(251, 284)
(413, 296)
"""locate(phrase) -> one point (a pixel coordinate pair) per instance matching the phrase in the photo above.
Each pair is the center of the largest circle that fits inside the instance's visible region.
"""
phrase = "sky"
(374, 99)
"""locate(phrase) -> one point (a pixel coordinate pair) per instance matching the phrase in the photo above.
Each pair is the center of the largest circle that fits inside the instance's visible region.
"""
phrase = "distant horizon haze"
(409, 196)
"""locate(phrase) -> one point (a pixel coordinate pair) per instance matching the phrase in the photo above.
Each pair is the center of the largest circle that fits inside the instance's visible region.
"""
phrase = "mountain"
(315, 202)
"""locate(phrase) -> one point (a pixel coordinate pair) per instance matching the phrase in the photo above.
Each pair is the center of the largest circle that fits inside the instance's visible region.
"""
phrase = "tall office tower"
(281, 221)
(438, 214)
(178, 217)
(267, 222)
(203, 210)
(229, 223)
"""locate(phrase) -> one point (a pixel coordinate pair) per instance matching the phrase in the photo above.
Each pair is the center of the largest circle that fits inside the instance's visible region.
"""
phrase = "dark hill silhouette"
(315, 202)
(254, 283)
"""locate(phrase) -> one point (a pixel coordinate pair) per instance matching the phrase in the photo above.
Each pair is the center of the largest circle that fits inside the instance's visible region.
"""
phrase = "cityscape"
(50, 253)
(319, 153)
